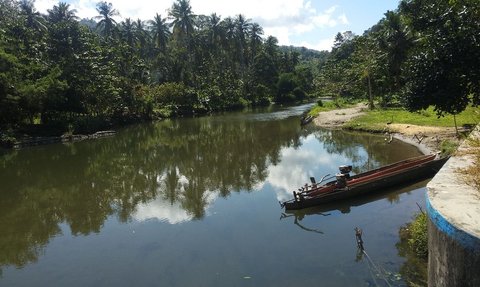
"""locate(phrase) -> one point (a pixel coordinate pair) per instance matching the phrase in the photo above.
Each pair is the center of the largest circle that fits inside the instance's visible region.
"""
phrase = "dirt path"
(427, 139)
(337, 118)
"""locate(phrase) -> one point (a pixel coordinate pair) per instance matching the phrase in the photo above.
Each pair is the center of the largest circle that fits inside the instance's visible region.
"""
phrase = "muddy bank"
(34, 141)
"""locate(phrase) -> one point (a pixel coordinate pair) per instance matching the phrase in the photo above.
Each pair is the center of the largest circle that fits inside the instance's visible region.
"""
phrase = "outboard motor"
(345, 170)
(341, 180)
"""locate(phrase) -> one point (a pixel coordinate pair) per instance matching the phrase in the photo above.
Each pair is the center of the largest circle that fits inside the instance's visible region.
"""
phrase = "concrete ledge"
(453, 209)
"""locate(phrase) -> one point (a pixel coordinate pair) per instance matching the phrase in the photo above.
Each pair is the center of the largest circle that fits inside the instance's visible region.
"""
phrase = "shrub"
(418, 235)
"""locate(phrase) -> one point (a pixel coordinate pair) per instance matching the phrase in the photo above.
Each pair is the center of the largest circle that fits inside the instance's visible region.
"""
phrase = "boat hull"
(410, 175)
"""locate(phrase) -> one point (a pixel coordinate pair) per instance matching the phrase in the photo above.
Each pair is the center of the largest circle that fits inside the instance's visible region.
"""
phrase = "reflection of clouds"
(296, 167)
(161, 209)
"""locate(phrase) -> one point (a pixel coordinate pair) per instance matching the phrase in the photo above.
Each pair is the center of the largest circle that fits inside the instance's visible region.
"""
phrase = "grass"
(376, 120)
(325, 106)
(418, 240)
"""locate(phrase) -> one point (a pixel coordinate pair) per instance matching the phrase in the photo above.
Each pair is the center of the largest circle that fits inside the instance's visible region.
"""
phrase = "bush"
(448, 147)
(418, 235)
(299, 93)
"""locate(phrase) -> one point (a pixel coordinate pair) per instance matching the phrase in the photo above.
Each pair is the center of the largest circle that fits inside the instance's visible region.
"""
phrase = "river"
(194, 202)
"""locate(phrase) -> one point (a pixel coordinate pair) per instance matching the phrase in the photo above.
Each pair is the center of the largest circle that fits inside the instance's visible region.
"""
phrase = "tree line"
(80, 75)
(83, 74)
(420, 55)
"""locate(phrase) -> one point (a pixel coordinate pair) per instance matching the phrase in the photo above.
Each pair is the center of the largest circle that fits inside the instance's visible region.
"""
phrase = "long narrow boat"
(346, 186)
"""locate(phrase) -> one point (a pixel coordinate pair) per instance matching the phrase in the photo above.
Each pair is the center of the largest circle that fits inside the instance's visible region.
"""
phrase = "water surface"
(194, 202)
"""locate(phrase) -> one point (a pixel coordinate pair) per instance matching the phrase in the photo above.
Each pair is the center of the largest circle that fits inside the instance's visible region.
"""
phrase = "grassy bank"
(376, 120)
(329, 105)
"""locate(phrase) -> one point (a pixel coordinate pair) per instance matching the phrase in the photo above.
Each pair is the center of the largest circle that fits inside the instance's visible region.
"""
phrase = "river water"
(194, 202)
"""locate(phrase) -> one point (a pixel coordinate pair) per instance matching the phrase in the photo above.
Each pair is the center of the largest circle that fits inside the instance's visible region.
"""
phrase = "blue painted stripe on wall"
(465, 239)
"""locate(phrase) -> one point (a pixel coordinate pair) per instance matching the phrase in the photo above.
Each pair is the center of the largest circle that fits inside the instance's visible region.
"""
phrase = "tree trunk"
(456, 127)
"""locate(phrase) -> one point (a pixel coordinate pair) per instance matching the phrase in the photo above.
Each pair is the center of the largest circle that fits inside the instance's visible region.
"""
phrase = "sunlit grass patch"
(325, 106)
(377, 119)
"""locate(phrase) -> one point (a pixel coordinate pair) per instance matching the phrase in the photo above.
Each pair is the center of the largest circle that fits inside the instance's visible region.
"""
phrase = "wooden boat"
(346, 186)
(306, 119)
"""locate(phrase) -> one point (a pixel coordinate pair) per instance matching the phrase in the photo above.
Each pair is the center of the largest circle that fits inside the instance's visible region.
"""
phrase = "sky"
(309, 23)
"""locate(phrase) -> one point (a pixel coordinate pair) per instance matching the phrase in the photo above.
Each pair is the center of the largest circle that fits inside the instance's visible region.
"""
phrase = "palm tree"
(242, 26)
(255, 34)
(214, 29)
(141, 35)
(160, 31)
(127, 32)
(34, 20)
(106, 23)
(183, 18)
(61, 13)
(271, 46)
(395, 41)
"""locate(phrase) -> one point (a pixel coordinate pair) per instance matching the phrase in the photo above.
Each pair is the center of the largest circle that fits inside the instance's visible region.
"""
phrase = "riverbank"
(428, 139)
(28, 141)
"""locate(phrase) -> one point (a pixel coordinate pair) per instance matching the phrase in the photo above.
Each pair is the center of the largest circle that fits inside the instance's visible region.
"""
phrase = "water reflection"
(391, 195)
(363, 152)
(172, 171)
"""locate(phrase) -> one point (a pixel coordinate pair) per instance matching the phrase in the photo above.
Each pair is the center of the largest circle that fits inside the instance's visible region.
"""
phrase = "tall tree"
(142, 36)
(242, 27)
(61, 13)
(183, 18)
(127, 31)
(34, 20)
(106, 23)
(160, 31)
(443, 67)
(395, 41)
(255, 35)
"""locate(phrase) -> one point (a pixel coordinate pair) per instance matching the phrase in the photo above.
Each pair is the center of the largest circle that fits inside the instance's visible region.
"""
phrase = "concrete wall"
(453, 209)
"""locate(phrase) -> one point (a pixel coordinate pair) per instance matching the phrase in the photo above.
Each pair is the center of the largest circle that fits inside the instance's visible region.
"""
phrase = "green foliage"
(418, 235)
(323, 106)
(289, 88)
(376, 120)
(448, 147)
(414, 270)
(443, 66)
(56, 68)
(423, 54)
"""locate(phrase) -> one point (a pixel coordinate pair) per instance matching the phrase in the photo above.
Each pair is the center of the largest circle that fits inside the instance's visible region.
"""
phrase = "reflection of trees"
(83, 184)
(414, 270)
(365, 152)
(180, 161)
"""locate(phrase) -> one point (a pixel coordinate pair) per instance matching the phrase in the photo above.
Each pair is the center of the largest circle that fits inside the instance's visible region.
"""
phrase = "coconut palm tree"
(214, 29)
(242, 26)
(160, 31)
(34, 20)
(183, 18)
(142, 36)
(127, 32)
(106, 23)
(61, 13)
(255, 35)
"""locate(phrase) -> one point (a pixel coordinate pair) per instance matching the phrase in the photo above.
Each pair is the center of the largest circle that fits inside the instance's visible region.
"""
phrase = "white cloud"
(321, 45)
(343, 19)
(44, 5)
